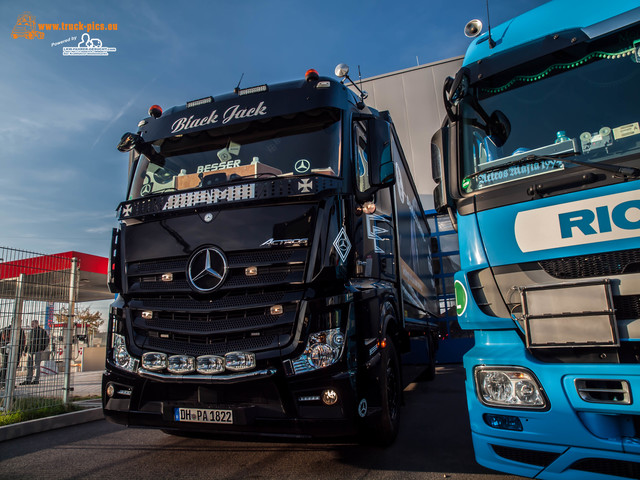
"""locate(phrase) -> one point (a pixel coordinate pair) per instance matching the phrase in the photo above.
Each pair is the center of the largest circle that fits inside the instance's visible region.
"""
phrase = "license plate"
(202, 415)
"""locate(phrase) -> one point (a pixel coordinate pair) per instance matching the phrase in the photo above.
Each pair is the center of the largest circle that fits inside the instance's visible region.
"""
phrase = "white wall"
(414, 100)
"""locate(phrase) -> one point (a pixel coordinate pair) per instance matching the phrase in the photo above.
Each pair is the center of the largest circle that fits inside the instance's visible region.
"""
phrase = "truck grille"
(627, 307)
(530, 457)
(597, 265)
(282, 267)
(604, 391)
(236, 317)
(607, 466)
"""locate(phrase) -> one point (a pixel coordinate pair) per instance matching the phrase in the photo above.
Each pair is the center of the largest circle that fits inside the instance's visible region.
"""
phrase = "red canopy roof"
(47, 277)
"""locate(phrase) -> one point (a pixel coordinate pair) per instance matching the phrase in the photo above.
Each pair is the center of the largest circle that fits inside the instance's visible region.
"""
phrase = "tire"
(382, 429)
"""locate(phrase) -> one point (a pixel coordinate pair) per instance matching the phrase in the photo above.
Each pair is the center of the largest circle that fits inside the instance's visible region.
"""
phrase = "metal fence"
(454, 342)
(37, 301)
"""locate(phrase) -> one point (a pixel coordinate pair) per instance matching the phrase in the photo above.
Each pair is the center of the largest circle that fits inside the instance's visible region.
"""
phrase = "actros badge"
(207, 269)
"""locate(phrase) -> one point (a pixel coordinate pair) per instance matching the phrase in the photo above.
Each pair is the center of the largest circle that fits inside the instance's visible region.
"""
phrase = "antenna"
(491, 42)
(237, 89)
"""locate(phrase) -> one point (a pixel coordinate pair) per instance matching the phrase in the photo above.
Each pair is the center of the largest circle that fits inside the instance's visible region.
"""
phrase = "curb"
(22, 429)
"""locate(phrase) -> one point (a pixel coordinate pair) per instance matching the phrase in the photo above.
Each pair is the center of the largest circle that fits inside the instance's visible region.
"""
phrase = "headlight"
(154, 361)
(509, 387)
(240, 361)
(323, 349)
(181, 364)
(209, 364)
(121, 356)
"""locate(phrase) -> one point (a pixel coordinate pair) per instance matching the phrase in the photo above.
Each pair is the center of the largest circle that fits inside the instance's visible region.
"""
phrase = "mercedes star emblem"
(207, 269)
(302, 165)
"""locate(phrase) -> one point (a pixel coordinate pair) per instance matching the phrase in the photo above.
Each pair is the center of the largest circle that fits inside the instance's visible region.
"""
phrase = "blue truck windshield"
(538, 104)
(304, 144)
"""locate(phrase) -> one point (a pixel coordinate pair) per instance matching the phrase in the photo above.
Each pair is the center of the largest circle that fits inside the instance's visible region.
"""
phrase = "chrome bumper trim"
(198, 378)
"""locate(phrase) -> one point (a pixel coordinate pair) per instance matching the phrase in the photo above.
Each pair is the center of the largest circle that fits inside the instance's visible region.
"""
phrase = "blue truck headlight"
(514, 387)
(121, 356)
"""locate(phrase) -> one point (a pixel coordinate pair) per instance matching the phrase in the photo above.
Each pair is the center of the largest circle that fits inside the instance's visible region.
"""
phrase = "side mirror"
(499, 128)
(129, 141)
(376, 169)
(452, 91)
(382, 170)
(443, 169)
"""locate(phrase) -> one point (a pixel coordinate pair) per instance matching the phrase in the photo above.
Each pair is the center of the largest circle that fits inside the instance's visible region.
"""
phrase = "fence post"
(16, 350)
(68, 345)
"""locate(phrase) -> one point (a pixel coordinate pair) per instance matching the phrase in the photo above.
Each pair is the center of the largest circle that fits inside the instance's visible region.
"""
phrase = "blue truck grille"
(605, 466)
(596, 265)
(530, 457)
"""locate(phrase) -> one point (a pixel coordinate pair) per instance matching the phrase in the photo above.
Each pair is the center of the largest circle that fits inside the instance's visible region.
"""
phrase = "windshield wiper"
(607, 167)
(564, 158)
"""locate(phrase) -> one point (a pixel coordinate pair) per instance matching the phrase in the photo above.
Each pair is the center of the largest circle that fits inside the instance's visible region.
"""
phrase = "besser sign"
(232, 113)
(599, 219)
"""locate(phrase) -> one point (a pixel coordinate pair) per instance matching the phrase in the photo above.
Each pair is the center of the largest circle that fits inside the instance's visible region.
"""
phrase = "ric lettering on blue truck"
(537, 164)
(601, 219)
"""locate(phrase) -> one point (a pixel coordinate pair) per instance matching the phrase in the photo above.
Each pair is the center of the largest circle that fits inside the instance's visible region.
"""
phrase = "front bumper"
(574, 438)
(266, 404)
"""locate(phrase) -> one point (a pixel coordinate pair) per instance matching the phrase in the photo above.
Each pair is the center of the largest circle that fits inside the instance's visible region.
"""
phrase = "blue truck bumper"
(572, 438)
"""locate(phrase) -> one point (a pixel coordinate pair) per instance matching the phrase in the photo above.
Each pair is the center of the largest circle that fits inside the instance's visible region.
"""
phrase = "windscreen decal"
(210, 197)
(235, 112)
(600, 219)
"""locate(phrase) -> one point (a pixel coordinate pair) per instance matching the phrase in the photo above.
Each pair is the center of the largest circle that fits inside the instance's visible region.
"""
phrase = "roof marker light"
(155, 111)
(311, 75)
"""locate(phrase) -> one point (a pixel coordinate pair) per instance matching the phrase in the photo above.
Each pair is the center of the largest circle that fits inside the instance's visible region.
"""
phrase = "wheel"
(382, 429)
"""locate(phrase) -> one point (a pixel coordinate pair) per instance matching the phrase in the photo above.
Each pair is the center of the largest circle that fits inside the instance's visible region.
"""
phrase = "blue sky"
(61, 176)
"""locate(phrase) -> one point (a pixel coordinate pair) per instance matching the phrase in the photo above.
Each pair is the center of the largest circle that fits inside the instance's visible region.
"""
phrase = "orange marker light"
(311, 75)
(155, 111)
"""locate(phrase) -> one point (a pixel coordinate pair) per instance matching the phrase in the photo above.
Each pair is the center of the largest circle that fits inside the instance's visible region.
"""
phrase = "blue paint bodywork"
(571, 429)
(548, 19)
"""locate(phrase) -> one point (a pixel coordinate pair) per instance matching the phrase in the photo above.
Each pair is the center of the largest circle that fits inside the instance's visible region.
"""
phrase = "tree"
(84, 316)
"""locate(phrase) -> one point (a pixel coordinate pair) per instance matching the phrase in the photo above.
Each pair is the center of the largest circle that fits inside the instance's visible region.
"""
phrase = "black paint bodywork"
(289, 233)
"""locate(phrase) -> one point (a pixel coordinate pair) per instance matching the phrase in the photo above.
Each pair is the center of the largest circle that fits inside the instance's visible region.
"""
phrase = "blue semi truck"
(538, 164)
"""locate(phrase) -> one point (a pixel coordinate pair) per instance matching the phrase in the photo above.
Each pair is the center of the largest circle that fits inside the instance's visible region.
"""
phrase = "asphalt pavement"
(434, 443)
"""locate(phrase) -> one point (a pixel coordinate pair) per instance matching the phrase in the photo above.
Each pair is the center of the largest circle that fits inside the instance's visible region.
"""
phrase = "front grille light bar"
(181, 364)
(204, 364)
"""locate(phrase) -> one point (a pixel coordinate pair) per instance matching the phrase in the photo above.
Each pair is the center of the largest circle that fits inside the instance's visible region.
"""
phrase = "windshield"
(302, 144)
(584, 102)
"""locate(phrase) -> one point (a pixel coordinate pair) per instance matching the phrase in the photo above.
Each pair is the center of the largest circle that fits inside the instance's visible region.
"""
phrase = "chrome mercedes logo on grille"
(207, 269)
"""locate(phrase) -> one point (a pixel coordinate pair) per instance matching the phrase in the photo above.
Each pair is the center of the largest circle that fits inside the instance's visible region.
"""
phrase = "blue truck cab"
(538, 165)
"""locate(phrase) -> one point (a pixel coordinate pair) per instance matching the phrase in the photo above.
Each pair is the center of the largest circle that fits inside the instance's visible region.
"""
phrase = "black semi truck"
(272, 263)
